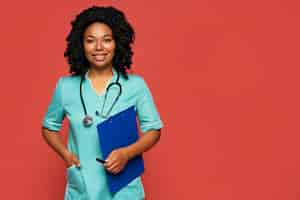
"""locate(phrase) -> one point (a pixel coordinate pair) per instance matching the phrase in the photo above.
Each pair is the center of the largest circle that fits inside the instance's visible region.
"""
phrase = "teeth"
(99, 57)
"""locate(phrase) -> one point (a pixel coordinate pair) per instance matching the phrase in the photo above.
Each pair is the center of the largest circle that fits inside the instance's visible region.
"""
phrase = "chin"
(101, 65)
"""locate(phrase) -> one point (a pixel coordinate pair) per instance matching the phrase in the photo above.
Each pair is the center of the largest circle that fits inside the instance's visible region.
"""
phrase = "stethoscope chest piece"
(87, 121)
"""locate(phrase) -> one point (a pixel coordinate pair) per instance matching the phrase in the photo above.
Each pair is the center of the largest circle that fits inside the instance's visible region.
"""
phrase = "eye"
(89, 41)
(107, 40)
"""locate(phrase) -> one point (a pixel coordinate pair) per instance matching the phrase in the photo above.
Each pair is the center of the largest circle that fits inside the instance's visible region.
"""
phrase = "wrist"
(128, 153)
(66, 154)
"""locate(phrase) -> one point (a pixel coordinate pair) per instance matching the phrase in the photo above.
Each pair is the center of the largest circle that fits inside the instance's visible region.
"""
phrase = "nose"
(99, 45)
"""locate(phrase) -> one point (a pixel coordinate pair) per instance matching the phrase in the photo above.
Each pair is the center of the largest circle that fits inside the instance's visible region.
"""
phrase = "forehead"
(97, 29)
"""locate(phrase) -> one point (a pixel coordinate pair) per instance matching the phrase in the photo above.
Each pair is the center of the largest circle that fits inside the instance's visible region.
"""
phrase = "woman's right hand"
(71, 159)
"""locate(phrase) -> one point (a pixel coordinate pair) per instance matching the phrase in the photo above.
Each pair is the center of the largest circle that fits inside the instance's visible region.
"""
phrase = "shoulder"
(68, 81)
(136, 80)
(135, 84)
(66, 85)
(69, 78)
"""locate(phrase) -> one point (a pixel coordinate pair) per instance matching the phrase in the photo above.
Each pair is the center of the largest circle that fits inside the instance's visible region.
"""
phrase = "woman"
(99, 53)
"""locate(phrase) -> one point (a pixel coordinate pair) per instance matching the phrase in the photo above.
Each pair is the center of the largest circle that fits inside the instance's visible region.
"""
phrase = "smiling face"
(99, 45)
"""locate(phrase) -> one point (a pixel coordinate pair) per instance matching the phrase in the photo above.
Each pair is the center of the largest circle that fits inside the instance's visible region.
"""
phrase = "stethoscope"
(88, 120)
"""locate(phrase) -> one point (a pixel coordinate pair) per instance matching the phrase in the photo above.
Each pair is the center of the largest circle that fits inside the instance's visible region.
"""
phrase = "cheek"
(87, 48)
(109, 47)
(113, 49)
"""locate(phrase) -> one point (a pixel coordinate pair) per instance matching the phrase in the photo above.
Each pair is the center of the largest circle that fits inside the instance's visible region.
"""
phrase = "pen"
(99, 160)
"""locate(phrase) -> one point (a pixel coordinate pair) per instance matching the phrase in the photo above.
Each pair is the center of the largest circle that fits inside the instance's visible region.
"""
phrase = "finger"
(69, 165)
(111, 156)
(113, 167)
(115, 170)
(108, 164)
(116, 163)
(118, 169)
(110, 167)
(111, 161)
(76, 161)
(78, 164)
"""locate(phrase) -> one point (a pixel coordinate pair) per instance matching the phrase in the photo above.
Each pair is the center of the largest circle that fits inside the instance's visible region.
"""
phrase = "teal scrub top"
(88, 182)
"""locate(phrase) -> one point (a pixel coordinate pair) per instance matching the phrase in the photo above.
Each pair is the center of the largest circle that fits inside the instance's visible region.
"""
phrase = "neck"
(105, 73)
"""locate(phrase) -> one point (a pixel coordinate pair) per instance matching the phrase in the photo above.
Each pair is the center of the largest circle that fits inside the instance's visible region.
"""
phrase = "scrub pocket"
(75, 184)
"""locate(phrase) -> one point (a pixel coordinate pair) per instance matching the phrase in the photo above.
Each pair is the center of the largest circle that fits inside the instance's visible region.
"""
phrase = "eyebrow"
(102, 36)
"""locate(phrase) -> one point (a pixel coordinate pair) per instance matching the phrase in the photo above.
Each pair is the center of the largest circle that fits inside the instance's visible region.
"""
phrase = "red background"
(224, 75)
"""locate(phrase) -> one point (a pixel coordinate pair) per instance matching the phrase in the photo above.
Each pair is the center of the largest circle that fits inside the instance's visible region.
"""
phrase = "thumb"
(109, 157)
(76, 161)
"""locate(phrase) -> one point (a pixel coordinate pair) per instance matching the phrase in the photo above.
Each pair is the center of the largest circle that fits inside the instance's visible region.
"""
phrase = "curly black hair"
(122, 31)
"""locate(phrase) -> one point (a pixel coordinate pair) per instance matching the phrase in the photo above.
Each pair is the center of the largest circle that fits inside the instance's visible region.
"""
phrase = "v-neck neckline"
(107, 84)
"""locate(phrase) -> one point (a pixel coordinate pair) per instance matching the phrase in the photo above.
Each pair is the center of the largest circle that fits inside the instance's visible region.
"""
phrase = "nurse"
(99, 51)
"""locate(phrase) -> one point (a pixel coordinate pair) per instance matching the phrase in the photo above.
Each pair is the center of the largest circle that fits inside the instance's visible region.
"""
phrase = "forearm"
(54, 140)
(144, 143)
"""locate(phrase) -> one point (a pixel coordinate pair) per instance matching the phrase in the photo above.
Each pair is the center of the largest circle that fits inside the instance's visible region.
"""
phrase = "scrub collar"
(114, 77)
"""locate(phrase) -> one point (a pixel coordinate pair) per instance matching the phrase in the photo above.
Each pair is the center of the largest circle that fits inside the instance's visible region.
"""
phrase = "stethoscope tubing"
(88, 120)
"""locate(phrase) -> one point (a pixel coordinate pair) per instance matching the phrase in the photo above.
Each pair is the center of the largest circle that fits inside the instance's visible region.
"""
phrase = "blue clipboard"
(118, 131)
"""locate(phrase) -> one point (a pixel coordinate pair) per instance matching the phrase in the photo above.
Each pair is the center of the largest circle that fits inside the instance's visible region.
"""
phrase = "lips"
(99, 57)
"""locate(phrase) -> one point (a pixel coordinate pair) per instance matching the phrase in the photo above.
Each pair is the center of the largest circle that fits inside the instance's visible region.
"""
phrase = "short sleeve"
(147, 113)
(55, 112)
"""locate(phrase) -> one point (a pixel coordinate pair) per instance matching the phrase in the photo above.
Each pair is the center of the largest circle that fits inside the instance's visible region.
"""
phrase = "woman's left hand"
(116, 160)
